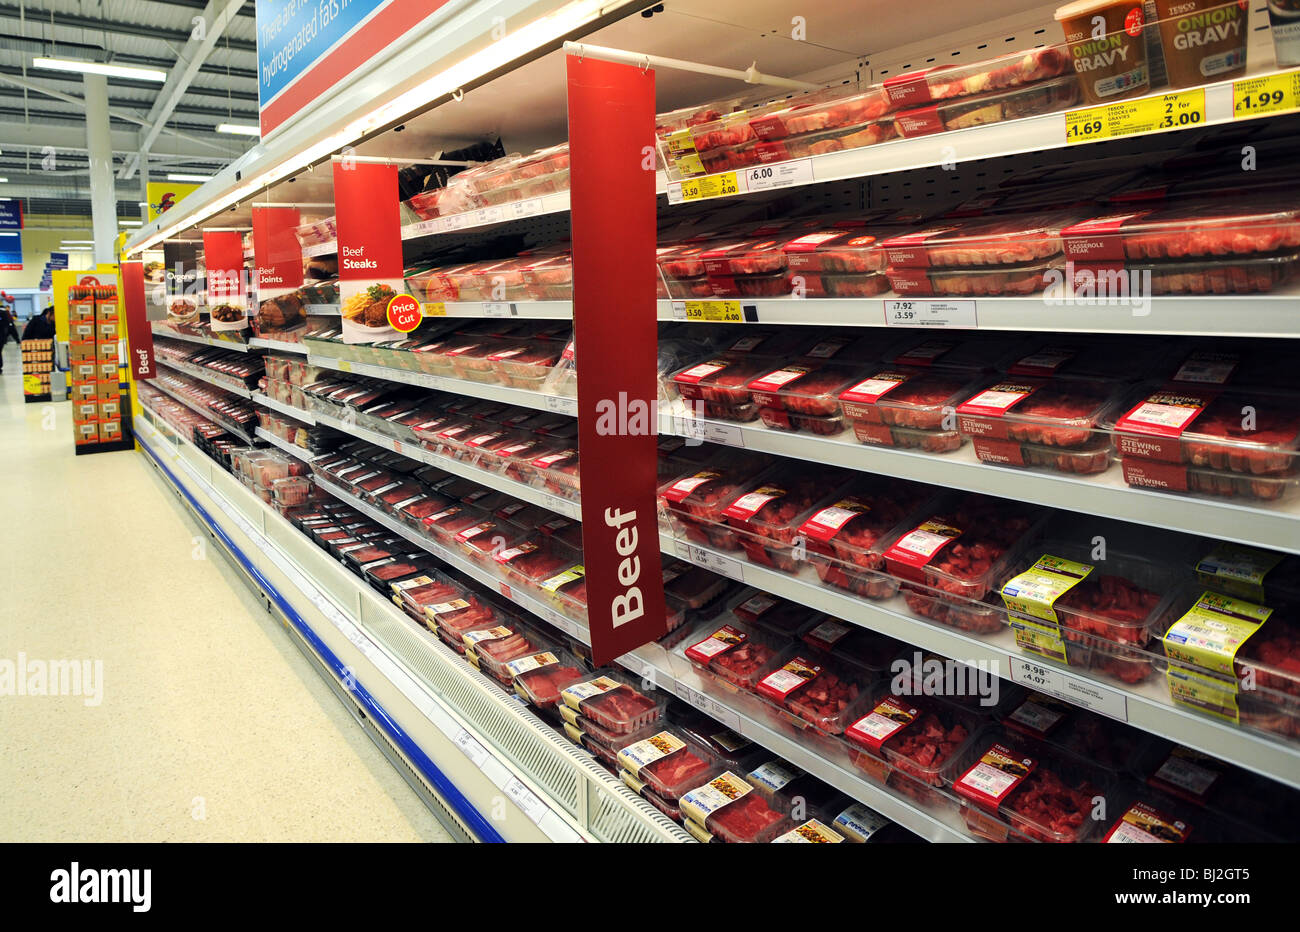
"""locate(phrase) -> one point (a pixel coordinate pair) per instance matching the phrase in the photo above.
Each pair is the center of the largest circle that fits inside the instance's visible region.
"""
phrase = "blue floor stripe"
(466, 810)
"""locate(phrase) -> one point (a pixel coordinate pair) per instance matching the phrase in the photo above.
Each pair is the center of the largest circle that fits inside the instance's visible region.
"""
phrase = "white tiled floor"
(213, 727)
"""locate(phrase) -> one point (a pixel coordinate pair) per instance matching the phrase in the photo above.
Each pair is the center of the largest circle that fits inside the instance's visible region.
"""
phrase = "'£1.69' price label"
(1178, 110)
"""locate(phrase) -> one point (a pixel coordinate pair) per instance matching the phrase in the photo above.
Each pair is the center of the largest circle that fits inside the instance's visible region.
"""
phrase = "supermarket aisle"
(212, 726)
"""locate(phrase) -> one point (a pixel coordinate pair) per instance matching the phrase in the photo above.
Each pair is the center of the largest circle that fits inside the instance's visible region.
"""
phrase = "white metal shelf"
(291, 448)
(168, 332)
(529, 310)
(205, 413)
(1106, 495)
(1256, 315)
(488, 216)
(203, 375)
(279, 346)
(322, 309)
(1147, 706)
(437, 698)
(1012, 137)
(528, 493)
(559, 404)
(299, 414)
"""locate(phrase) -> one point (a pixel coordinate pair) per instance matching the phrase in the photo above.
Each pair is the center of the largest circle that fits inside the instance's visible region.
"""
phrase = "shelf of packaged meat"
(558, 404)
(749, 717)
(565, 506)
(205, 375)
(457, 560)
(488, 216)
(163, 330)
(291, 448)
(1276, 525)
(486, 743)
(1261, 315)
(280, 346)
(202, 411)
(1039, 133)
(1145, 705)
(299, 414)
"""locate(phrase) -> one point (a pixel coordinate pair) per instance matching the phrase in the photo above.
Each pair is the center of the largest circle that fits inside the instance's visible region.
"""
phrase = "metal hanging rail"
(750, 75)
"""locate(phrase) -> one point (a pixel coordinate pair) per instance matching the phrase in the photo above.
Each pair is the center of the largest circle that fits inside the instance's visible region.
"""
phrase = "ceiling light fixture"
(94, 67)
(181, 176)
(239, 129)
(130, 223)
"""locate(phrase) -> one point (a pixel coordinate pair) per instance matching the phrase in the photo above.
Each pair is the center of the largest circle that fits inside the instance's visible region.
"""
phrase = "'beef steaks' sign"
(369, 221)
(611, 130)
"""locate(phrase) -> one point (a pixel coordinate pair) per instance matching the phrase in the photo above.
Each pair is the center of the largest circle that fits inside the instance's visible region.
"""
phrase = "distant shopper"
(7, 329)
(40, 327)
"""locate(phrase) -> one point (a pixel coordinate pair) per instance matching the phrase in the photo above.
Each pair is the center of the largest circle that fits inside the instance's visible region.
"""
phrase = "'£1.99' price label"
(1271, 94)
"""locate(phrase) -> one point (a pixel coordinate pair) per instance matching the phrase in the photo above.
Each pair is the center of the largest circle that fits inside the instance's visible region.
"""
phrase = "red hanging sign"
(612, 193)
(368, 208)
(277, 254)
(223, 256)
(138, 330)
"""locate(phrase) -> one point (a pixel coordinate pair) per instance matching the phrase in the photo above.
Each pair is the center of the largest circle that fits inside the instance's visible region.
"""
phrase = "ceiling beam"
(217, 113)
(39, 46)
(113, 112)
(19, 134)
(143, 31)
(217, 15)
(66, 78)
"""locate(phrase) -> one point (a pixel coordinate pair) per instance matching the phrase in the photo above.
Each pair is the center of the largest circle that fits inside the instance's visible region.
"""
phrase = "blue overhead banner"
(58, 260)
(11, 252)
(11, 214)
(304, 49)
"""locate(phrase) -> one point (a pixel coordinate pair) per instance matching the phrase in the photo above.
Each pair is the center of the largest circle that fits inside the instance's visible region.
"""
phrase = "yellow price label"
(680, 141)
(434, 309)
(719, 311)
(1039, 638)
(1270, 94)
(345, 365)
(699, 189)
(31, 385)
(1179, 110)
(689, 163)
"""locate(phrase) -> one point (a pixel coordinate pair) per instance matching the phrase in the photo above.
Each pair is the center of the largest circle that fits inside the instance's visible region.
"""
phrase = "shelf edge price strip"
(1272, 93)
(719, 311)
(1178, 110)
(699, 189)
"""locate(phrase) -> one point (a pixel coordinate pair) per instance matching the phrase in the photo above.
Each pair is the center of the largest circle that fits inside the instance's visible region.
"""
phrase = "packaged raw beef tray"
(1195, 228)
(669, 764)
(736, 654)
(906, 407)
(802, 396)
(735, 751)
(1055, 423)
(1256, 434)
(1019, 788)
(729, 807)
(945, 82)
(955, 555)
(842, 537)
(1065, 606)
(1148, 816)
(819, 143)
(870, 650)
(491, 649)
(613, 703)
(696, 500)
(767, 513)
(1250, 573)
(1215, 786)
(1116, 360)
(540, 678)
(722, 382)
(980, 241)
(772, 614)
(1245, 274)
(815, 688)
(963, 113)
(1251, 654)
(785, 787)
(975, 355)
(817, 115)
(913, 744)
(987, 281)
